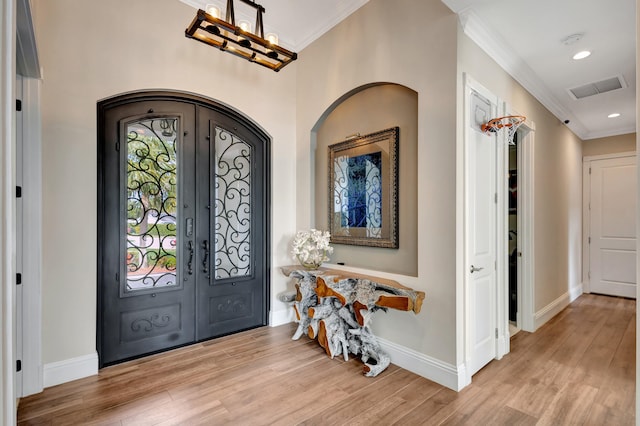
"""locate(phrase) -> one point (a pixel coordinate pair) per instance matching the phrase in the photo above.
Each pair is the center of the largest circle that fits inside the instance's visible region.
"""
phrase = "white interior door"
(481, 214)
(613, 226)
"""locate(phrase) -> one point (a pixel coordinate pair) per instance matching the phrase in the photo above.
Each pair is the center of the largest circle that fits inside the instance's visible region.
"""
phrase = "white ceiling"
(524, 37)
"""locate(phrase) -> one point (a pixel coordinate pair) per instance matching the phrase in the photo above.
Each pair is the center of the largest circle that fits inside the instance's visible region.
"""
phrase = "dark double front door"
(182, 224)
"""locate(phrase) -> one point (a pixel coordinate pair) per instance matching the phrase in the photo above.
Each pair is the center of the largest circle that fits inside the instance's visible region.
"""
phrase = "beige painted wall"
(367, 48)
(91, 50)
(370, 110)
(557, 214)
(145, 48)
(609, 145)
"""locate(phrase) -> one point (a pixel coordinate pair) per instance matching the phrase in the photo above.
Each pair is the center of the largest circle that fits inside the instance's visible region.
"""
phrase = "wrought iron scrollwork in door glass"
(152, 196)
(232, 190)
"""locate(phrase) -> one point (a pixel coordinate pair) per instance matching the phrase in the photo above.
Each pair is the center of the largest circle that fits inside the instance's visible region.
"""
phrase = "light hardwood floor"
(577, 369)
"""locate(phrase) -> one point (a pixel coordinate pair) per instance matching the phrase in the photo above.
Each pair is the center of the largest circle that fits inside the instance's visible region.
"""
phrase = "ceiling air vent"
(598, 87)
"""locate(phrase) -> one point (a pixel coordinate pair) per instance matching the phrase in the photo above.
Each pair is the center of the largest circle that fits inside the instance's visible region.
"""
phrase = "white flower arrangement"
(311, 248)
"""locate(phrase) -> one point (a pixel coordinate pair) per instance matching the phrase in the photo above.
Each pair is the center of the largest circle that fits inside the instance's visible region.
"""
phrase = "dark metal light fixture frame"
(226, 36)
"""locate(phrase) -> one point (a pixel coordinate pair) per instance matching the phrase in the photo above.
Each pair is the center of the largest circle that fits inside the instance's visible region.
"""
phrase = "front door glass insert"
(232, 188)
(152, 197)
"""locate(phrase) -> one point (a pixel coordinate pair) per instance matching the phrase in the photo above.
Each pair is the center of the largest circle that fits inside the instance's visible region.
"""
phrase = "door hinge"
(18, 105)
(495, 265)
(117, 277)
(589, 170)
(18, 279)
(18, 365)
(495, 198)
(589, 240)
(18, 192)
(496, 333)
(118, 146)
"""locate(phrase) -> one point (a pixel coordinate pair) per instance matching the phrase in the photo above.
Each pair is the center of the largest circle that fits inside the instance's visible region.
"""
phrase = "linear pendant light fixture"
(239, 40)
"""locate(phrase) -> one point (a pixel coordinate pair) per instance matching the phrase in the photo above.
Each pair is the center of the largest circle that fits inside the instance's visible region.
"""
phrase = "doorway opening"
(484, 162)
(512, 206)
(183, 236)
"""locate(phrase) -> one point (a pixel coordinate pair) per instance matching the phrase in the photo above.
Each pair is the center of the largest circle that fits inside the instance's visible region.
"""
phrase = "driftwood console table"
(335, 308)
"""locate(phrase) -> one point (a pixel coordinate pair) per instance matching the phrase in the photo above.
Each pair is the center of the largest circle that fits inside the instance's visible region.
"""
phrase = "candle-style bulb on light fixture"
(246, 27)
(214, 11)
(272, 39)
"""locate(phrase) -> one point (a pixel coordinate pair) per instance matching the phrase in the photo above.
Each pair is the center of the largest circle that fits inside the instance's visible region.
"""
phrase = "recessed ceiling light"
(614, 115)
(581, 55)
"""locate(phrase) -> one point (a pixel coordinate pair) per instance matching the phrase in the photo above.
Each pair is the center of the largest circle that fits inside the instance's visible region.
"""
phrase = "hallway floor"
(577, 369)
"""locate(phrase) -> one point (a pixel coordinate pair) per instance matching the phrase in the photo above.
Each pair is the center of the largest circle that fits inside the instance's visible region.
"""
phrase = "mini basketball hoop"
(511, 122)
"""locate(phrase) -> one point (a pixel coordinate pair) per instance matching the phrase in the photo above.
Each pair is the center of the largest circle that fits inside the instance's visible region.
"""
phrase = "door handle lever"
(474, 269)
(190, 263)
(205, 259)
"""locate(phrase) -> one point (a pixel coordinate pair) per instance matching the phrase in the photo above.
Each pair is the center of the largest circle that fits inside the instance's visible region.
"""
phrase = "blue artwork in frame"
(363, 190)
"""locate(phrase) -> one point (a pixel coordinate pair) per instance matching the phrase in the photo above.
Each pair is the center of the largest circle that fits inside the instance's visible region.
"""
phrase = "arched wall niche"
(368, 109)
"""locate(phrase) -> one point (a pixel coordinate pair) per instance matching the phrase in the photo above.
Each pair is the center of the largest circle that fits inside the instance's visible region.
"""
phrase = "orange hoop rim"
(496, 124)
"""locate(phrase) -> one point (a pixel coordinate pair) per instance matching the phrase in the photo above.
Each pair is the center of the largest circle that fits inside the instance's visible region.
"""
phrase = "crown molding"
(607, 133)
(458, 6)
(508, 59)
(347, 9)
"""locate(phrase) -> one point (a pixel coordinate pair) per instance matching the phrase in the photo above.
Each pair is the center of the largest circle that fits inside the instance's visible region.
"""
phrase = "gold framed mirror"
(363, 190)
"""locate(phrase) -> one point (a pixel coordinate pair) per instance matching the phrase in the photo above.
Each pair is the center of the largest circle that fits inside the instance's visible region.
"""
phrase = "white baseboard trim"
(464, 379)
(284, 316)
(575, 292)
(551, 310)
(59, 372)
(504, 344)
(430, 368)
